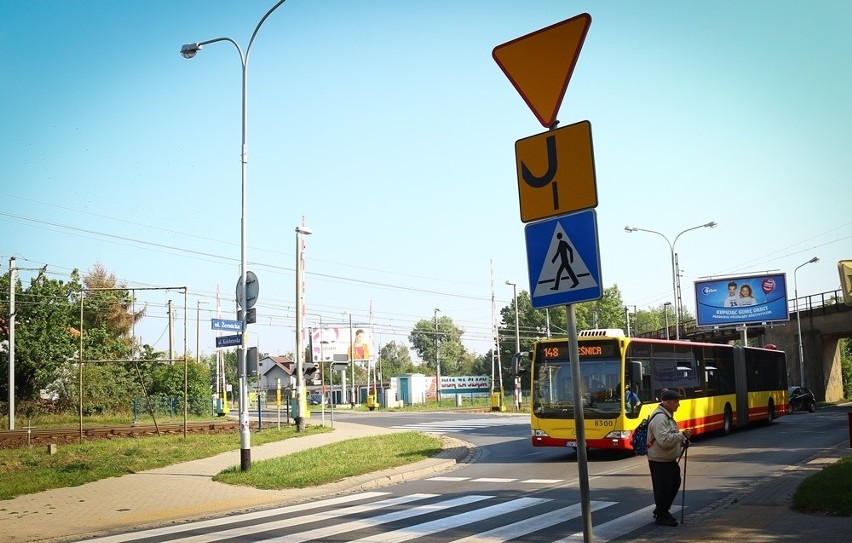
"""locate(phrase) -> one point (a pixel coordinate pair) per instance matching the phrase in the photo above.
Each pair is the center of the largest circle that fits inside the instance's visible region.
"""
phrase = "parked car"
(316, 398)
(801, 399)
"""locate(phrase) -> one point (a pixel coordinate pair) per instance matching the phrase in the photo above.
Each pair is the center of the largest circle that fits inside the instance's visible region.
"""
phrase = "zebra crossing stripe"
(328, 531)
(340, 515)
(448, 479)
(616, 527)
(213, 523)
(289, 522)
(533, 524)
(454, 521)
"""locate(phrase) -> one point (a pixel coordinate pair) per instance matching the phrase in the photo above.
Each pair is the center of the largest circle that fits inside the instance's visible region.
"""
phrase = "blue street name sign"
(229, 341)
(563, 260)
(225, 324)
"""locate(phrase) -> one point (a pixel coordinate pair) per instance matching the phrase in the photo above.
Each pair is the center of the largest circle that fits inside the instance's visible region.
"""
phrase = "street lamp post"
(188, 51)
(437, 359)
(675, 274)
(301, 400)
(517, 343)
(627, 317)
(799, 321)
(666, 316)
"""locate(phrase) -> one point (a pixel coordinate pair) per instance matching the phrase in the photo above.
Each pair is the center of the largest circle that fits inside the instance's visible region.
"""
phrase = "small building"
(413, 387)
(272, 368)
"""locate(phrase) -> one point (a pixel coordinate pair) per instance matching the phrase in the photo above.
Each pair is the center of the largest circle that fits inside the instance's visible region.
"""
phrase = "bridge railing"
(829, 302)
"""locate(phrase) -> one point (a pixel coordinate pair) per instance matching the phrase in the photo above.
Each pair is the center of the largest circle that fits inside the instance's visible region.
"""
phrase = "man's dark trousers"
(665, 478)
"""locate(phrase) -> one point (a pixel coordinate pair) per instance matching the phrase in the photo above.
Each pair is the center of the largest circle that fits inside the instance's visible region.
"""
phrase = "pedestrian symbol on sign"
(563, 262)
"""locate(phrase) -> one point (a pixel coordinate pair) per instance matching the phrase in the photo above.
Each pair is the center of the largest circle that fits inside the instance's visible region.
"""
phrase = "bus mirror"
(517, 370)
(636, 371)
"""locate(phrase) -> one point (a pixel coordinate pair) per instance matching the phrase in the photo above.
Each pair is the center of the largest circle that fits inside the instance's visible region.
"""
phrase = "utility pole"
(171, 335)
(11, 323)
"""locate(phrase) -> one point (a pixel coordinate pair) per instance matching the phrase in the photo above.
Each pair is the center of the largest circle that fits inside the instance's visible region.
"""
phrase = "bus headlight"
(540, 433)
(618, 434)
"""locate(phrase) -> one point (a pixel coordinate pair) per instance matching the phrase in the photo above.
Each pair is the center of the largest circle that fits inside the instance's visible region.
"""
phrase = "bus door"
(741, 380)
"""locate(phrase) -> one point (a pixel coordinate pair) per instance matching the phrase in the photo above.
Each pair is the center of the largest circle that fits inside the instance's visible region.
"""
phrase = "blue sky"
(389, 128)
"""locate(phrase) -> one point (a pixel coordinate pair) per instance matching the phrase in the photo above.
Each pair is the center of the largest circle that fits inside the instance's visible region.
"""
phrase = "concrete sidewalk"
(757, 514)
(761, 512)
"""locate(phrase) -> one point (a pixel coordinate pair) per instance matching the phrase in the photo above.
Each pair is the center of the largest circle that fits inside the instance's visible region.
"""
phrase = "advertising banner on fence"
(464, 384)
(741, 300)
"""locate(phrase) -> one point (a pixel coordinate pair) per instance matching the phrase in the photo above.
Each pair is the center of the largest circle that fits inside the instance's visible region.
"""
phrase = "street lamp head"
(510, 283)
(711, 224)
(629, 229)
(304, 230)
(189, 50)
(814, 259)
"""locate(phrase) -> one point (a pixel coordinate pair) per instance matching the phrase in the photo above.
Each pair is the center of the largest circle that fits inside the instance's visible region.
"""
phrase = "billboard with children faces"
(741, 300)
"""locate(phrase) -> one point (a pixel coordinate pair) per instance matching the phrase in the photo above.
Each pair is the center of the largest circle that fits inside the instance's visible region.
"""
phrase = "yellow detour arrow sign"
(556, 172)
(540, 64)
(845, 269)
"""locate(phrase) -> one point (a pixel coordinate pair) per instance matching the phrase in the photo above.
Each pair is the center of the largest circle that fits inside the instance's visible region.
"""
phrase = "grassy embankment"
(30, 469)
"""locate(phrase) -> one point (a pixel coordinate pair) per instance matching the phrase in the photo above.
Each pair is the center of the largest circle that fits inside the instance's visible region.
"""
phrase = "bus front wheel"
(728, 422)
(770, 412)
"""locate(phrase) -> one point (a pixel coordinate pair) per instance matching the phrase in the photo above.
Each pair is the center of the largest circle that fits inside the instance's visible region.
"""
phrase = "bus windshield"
(601, 388)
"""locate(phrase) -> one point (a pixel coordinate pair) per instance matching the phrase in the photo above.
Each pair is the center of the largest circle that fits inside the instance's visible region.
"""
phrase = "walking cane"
(683, 495)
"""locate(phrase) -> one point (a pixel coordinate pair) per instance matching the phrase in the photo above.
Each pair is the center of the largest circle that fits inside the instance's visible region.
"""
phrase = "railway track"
(10, 439)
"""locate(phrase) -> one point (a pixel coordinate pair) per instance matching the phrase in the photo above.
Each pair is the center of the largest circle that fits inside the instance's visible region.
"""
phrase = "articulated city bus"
(723, 386)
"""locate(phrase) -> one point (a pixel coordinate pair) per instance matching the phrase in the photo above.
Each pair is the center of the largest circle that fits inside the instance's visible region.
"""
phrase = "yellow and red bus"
(723, 386)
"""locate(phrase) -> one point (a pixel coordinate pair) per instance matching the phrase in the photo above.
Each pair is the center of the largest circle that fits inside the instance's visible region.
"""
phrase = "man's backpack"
(639, 440)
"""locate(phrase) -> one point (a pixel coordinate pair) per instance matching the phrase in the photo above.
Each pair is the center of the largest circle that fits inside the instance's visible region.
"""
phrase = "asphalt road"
(512, 491)
(508, 466)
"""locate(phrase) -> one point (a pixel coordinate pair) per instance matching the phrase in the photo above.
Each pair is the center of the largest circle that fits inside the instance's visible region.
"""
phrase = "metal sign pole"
(582, 459)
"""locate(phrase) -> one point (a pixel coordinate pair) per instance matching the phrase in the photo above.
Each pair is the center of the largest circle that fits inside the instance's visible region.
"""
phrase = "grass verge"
(827, 492)
(31, 469)
(334, 462)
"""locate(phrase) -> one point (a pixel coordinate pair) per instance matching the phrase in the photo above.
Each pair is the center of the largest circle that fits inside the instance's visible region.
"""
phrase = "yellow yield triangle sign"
(540, 64)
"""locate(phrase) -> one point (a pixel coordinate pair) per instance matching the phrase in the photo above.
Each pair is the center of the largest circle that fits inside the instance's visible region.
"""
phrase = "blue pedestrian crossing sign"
(563, 260)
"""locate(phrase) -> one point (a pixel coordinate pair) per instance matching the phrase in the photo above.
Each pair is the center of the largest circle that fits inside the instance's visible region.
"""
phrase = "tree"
(533, 324)
(168, 381)
(395, 360)
(45, 326)
(845, 348)
(424, 338)
(108, 316)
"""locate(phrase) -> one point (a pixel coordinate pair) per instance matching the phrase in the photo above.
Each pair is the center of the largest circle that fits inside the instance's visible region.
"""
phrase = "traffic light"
(310, 372)
(517, 369)
(251, 361)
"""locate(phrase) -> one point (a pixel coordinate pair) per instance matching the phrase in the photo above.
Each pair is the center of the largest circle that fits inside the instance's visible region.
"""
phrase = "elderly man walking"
(665, 446)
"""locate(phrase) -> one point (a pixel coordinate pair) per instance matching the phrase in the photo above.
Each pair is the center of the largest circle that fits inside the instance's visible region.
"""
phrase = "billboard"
(741, 300)
(335, 339)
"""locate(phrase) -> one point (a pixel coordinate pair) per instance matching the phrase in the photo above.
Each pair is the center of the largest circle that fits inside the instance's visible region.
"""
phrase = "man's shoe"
(666, 521)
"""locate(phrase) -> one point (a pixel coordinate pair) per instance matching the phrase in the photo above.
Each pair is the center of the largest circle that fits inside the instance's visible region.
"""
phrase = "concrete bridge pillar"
(832, 378)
